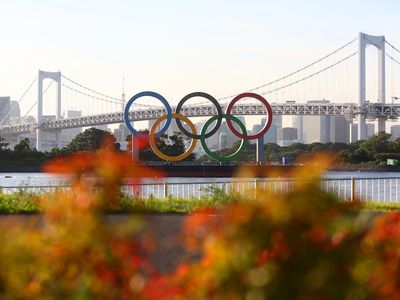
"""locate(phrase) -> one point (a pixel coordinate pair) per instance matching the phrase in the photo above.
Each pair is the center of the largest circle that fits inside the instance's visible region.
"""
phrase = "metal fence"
(364, 189)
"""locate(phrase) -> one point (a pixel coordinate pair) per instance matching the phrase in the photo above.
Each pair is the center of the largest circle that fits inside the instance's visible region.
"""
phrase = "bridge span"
(349, 110)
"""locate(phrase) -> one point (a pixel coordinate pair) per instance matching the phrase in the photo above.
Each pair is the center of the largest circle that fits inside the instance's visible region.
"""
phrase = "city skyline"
(303, 129)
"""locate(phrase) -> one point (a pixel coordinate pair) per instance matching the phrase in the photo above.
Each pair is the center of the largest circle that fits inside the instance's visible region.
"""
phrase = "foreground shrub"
(380, 266)
(300, 245)
(70, 252)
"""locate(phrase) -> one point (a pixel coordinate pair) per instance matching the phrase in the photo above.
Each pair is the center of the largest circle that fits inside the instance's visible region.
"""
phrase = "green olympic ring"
(234, 155)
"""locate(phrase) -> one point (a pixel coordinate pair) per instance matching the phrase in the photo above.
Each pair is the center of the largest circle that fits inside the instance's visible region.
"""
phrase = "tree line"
(24, 157)
(375, 150)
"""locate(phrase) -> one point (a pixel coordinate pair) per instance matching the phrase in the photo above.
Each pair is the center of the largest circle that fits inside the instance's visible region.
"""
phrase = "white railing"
(364, 189)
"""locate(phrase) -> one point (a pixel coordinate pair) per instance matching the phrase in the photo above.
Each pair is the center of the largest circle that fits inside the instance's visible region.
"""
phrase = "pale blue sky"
(176, 47)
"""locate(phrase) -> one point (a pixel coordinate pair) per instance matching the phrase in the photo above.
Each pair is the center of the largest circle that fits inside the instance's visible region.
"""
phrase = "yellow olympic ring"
(153, 142)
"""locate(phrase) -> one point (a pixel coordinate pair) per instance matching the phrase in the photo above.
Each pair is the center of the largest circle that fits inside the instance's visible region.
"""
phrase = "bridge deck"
(372, 111)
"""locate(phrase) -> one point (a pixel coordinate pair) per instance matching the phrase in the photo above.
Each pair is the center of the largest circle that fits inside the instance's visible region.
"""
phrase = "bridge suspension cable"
(90, 96)
(393, 78)
(114, 100)
(91, 90)
(296, 71)
(392, 46)
(392, 58)
(103, 97)
(19, 100)
(33, 105)
(311, 75)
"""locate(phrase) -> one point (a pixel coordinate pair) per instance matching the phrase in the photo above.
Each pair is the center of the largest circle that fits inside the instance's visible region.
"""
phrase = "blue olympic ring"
(149, 94)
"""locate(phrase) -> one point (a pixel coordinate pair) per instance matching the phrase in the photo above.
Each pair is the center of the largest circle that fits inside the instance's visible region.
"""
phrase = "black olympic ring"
(219, 114)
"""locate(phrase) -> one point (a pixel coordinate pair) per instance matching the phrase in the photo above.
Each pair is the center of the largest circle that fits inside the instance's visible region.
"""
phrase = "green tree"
(173, 145)
(396, 145)
(89, 140)
(292, 156)
(336, 147)
(359, 156)
(316, 146)
(378, 143)
(272, 152)
(60, 151)
(3, 144)
(23, 146)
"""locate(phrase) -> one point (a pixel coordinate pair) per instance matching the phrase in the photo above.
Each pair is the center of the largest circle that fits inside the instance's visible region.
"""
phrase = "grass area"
(380, 206)
(20, 202)
(169, 205)
(23, 202)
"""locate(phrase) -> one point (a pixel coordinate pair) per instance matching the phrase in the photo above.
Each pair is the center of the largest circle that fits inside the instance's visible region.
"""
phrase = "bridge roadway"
(349, 110)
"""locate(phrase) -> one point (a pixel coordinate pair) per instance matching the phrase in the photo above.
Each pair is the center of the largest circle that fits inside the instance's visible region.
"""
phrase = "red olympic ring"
(267, 125)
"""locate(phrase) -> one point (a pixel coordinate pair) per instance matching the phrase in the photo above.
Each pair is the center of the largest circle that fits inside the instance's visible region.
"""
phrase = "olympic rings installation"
(193, 134)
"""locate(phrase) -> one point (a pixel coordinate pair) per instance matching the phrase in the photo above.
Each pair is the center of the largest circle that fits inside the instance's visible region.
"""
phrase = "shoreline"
(224, 170)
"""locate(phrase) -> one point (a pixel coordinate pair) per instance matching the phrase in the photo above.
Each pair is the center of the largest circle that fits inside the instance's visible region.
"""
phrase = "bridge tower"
(56, 76)
(379, 42)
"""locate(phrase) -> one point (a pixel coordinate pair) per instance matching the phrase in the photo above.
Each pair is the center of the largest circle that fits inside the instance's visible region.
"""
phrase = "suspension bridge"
(355, 78)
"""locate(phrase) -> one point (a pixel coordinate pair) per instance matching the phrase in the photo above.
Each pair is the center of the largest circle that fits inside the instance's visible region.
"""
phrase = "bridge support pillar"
(58, 138)
(56, 76)
(362, 128)
(260, 151)
(381, 125)
(378, 42)
(38, 139)
(381, 83)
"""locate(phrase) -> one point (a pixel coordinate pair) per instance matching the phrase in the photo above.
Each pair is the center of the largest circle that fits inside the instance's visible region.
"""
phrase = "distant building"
(287, 136)
(171, 129)
(228, 137)
(339, 129)
(4, 109)
(13, 140)
(276, 120)
(258, 127)
(354, 131)
(10, 114)
(120, 134)
(224, 141)
(316, 129)
(67, 135)
(48, 137)
(271, 135)
(297, 122)
(370, 130)
(394, 132)
(102, 127)
(15, 111)
(212, 142)
(324, 129)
